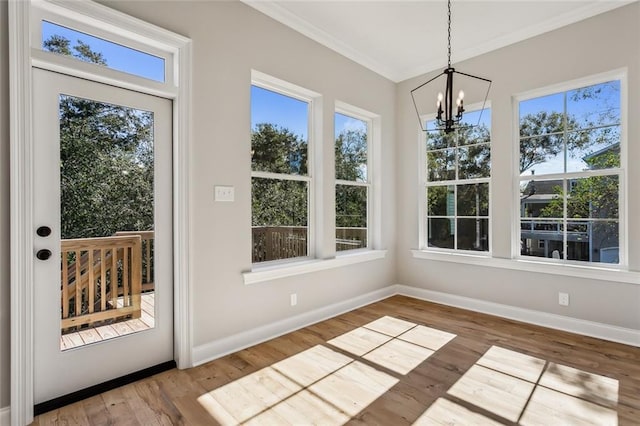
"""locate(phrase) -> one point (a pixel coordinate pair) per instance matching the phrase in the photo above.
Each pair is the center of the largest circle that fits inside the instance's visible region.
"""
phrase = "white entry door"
(102, 196)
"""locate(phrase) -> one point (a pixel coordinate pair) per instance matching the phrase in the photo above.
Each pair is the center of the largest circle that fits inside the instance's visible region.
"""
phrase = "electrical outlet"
(223, 193)
(563, 299)
(294, 299)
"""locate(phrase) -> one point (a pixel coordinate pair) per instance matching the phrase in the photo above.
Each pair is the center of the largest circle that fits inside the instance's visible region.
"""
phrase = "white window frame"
(423, 228)
(323, 244)
(25, 52)
(621, 172)
(291, 90)
(127, 31)
(372, 183)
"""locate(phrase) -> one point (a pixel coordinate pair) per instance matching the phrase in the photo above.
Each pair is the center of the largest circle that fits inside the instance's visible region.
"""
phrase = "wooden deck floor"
(400, 361)
(105, 332)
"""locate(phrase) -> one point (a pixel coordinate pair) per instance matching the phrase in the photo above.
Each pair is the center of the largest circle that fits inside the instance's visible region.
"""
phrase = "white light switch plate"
(223, 193)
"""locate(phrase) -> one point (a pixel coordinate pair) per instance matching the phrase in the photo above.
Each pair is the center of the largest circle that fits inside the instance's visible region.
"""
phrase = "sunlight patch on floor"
(353, 387)
(427, 337)
(445, 412)
(359, 341)
(493, 391)
(513, 363)
(399, 356)
(570, 395)
(316, 386)
(572, 381)
(530, 391)
(548, 407)
(390, 326)
(301, 409)
(311, 365)
(393, 343)
(324, 386)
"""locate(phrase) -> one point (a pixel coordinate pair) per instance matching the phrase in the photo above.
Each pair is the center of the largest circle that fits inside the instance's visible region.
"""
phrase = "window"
(352, 181)
(280, 178)
(458, 172)
(570, 175)
(87, 48)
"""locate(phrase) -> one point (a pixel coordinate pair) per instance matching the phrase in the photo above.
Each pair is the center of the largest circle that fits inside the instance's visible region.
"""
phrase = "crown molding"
(284, 16)
(576, 15)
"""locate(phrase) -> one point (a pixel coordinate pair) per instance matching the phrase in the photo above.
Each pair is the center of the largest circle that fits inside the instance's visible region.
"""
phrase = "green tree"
(350, 150)
(278, 202)
(106, 160)
(277, 150)
(474, 161)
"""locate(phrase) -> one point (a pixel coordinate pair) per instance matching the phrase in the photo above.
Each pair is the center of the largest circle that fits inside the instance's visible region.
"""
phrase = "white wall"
(602, 43)
(230, 39)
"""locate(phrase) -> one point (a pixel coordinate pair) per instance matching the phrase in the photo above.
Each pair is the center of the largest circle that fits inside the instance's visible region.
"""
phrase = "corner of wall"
(5, 416)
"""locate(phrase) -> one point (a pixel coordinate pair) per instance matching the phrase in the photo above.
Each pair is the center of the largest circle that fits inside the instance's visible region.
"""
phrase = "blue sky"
(287, 112)
(290, 113)
(117, 56)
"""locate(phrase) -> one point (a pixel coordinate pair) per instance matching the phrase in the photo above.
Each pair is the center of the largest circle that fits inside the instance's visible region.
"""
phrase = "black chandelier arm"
(472, 76)
(424, 84)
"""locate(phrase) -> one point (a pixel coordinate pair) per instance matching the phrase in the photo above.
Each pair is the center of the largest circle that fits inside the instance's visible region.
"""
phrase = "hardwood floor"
(395, 362)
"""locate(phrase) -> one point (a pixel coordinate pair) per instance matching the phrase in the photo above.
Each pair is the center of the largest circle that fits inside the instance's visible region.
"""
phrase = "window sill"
(591, 272)
(261, 274)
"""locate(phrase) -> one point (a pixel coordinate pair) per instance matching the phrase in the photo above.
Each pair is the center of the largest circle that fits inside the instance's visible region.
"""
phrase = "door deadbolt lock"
(43, 254)
(43, 231)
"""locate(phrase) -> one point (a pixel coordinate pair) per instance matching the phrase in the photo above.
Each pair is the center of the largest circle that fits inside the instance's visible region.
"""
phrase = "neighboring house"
(543, 236)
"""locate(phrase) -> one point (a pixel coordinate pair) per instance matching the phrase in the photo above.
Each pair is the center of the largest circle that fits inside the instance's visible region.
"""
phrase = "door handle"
(43, 254)
(43, 231)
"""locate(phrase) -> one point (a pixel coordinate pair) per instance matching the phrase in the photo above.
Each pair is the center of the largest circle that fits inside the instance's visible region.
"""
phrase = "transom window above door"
(85, 47)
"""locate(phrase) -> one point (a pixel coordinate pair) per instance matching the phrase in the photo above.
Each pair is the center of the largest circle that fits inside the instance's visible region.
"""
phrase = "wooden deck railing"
(96, 272)
(278, 242)
(148, 243)
(350, 238)
(284, 242)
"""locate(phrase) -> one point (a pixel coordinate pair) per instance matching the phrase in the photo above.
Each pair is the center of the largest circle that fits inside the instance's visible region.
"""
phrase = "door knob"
(43, 254)
(43, 231)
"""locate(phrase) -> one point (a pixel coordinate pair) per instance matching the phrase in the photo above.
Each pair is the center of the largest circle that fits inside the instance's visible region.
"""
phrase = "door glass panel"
(107, 220)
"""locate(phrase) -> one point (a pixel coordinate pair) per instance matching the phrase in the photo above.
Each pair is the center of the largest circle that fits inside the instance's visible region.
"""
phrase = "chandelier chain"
(449, 33)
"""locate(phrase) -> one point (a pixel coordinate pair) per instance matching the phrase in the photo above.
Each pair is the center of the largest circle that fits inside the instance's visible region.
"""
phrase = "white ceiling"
(400, 39)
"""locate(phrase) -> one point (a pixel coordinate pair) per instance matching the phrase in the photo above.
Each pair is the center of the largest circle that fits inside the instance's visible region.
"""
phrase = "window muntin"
(458, 172)
(352, 136)
(69, 42)
(280, 182)
(572, 140)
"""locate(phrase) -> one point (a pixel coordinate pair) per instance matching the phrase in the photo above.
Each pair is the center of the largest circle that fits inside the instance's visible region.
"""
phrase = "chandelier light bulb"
(440, 96)
(461, 95)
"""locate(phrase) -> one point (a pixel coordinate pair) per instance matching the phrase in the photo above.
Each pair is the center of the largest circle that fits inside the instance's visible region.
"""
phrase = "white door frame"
(21, 59)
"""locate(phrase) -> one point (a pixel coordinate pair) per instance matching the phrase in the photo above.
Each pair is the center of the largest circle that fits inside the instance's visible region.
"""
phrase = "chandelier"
(449, 115)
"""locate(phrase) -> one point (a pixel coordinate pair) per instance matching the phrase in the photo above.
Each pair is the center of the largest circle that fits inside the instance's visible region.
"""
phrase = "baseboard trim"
(588, 328)
(227, 345)
(5, 416)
